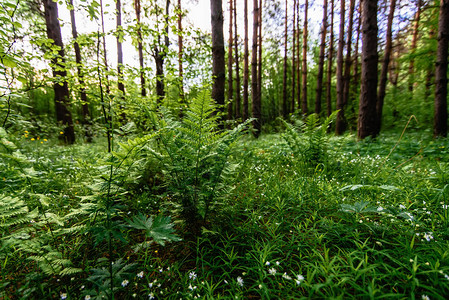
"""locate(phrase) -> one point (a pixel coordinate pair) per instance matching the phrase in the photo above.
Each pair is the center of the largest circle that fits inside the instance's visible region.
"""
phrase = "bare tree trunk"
(137, 8)
(385, 64)
(298, 59)
(284, 79)
(330, 57)
(440, 119)
(60, 86)
(180, 53)
(238, 111)
(218, 53)
(230, 44)
(368, 91)
(319, 84)
(105, 56)
(83, 94)
(340, 123)
(259, 60)
(304, 59)
(356, 75)
(245, 63)
(254, 79)
(348, 59)
(160, 52)
(411, 68)
(120, 33)
(294, 62)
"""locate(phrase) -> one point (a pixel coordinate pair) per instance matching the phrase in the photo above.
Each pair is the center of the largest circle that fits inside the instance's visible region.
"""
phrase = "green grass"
(360, 223)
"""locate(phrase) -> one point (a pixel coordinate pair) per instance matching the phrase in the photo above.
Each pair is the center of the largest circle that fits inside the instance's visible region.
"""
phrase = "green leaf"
(160, 229)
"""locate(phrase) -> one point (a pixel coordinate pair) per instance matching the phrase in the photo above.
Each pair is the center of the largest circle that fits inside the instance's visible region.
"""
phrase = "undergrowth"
(302, 215)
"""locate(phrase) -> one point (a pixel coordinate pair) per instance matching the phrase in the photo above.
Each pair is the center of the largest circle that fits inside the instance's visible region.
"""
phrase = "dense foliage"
(363, 219)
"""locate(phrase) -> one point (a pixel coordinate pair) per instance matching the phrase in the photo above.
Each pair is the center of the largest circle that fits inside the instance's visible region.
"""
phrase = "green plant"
(308, 140)
(194, 155)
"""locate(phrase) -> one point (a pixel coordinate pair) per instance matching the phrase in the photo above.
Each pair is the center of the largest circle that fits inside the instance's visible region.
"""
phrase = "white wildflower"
(285, 276)
(64, 296)
(240, 281)
(125, 283)
(87, 297)
(140, 274)
(425, 297)
(267, 263)
(272, 271)
(299, 279)
(401, 206)
(192, 275)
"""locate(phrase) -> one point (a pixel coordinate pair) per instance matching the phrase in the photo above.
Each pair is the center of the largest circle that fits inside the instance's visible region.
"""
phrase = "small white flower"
(267, 263)
(445, 206)
(401, 206)
(285, 276)
(87, 297)
(299, 279)
(428, 236)
(446, 276)
(278, 263)
(125, 283)
(150, 296)
(150, 285)
(272, 271)
(240, 281)
(192, 275)
(64, 296)
(380, 208)
(425, 297)
(191, 287)
(140, 274)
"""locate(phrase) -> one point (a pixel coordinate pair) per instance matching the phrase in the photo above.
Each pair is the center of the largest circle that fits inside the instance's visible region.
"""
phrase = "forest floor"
(335, 219)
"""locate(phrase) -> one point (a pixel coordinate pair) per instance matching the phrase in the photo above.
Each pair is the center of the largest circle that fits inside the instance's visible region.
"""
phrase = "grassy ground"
(364, 220)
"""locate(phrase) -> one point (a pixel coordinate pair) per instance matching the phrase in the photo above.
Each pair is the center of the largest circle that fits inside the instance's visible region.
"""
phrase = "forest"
(288, 149)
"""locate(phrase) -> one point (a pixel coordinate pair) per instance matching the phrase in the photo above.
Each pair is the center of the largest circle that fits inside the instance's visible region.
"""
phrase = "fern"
(308, 140)
(194, 154)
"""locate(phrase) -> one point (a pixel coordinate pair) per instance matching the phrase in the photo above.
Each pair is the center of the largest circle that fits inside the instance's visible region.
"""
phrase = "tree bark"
(84, 103)
(180, 53)
(259, 59)
(137, 8)
(120, 83)
(330, 57)
(218, 54)
(257, 125)
(348, 60)
(245, 63)
(440, 118)
(298, 65)
(238, 112)
(294, 62)
(304, 107)
(160, 52)
(230, 44)
(340, 123)
(60, 86)
(319, 84)
(366, 125)
(284, 78)
(385, 65)
(411, 68)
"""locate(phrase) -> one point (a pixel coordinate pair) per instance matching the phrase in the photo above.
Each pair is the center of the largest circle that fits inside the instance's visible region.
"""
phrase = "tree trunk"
(84, 104)
(304, 108)
(330, 57)
(294, 62)
(348, 60)
(230, 44)
(245, 63)
(137, 8)
(298, 59)
(319, 84)
(368, 91)
(254, 80)
(180, 54)
(440, 119)
(356, 75)
(218, 53)
(340, 123)
(63, 114)
(238, 112)
(120, 33)
(259, 60)
(411, 68)
(385, 64)
(284, 79)
(159, 53)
